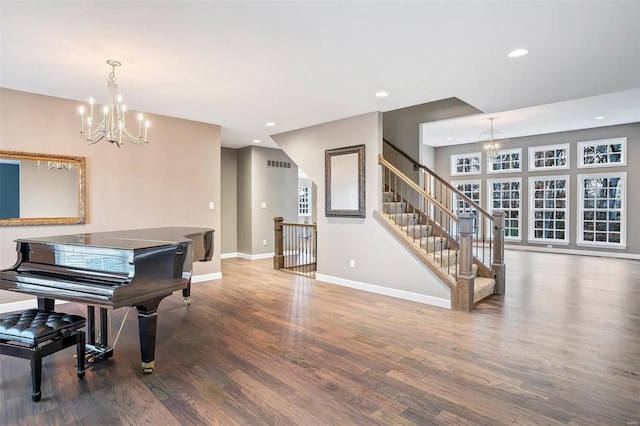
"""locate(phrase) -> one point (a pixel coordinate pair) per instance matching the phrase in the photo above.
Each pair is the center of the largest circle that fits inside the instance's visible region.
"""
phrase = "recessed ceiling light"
(600, 117)
(449, 138)
(381, 94)
(256, 141)
(270, 124)
(518, 53)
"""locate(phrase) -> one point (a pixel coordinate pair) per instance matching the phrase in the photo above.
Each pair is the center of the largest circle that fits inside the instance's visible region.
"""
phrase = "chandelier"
(492, 141)
(58, 165)
(113, 125)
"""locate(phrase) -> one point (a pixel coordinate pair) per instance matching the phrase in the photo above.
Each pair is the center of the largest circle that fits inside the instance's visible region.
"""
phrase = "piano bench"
(34, 334)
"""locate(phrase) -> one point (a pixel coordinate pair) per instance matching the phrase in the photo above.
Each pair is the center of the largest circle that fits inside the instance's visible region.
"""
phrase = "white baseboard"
(255, 256)
(24, 305)
(573, 251)
(229, 255)
(206, 277)
(400, 294)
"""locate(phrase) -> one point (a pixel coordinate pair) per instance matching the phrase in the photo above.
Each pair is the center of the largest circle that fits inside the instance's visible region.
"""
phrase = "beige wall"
(170, 183)
(381, 263)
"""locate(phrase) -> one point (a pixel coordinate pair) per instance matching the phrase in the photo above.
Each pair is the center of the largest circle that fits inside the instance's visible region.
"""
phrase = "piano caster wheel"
(148, 367)
(187, 301)
(80, 374)
(36, 396)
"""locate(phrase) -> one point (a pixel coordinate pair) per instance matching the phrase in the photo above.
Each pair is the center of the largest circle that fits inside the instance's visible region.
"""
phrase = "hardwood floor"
(266, 347)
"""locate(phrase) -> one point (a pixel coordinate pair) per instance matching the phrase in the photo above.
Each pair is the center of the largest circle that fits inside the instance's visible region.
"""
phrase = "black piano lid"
(128, 239)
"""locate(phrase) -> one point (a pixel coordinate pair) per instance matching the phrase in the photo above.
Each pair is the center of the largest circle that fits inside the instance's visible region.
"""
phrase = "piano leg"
(91, 325)
(147, 326)
(46, 304)
(186, 293)
(97, 351)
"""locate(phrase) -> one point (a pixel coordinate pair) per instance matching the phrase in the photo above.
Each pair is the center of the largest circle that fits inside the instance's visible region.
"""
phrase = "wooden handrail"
(417, 188)
(444, 182)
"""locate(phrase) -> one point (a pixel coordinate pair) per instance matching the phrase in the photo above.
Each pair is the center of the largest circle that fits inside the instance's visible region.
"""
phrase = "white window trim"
(623, 156)
(502, 152)
(623, 211)
(532, 209)
(533, 149)
(455, 184)
(470, 155)
(490, 209)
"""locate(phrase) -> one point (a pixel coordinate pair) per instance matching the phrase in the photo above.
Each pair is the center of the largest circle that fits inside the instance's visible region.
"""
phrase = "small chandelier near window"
(492, 141)
(113, 125)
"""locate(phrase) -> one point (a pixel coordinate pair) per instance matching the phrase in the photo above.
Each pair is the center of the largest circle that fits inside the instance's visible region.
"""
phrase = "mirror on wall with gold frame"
(41, 189)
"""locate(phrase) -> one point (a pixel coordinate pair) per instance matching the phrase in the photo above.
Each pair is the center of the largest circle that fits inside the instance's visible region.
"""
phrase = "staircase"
(442, 252)
(454, 237)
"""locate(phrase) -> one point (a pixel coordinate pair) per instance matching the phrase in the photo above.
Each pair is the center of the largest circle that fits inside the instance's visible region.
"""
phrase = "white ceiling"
(242, 64)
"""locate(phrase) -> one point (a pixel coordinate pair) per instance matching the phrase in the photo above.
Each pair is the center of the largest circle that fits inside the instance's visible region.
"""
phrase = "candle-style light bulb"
(140, 118)
(119, 98)
(81, 119)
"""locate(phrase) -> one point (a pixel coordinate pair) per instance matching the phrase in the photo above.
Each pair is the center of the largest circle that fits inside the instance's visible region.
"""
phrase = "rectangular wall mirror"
(345, 182)
(41, 189)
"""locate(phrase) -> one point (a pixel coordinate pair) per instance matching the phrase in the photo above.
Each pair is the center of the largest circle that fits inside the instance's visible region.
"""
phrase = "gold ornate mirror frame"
(78, 164)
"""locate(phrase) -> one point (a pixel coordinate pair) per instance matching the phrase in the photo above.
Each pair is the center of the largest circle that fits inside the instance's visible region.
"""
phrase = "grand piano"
(110, 270)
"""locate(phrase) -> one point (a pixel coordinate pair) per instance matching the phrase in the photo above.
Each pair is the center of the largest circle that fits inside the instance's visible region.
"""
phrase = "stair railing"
(487, 244)
(295, 247)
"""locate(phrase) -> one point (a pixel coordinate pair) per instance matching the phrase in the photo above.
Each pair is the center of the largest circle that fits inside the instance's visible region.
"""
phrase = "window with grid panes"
(470, 188)
(303, 201)
(602, 153)
(466, 164)
(505, 195)
(549, 157)
(601, 219)
(549, 209)
(507, 161)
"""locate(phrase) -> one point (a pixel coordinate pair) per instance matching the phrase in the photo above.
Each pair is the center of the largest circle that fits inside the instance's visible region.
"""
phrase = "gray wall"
(278, 189)
(244, 223)
(401, 127)
(381, 263)
(631, 131)
(228, 200)
(258, 184)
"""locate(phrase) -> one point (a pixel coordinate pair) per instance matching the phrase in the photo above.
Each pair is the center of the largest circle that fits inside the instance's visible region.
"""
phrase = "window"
(466, 164)
(602, 153)
(507, 161)
(506, 195)
(602, 219)
(304, 201)
(470, 188)
(549, 157)
(549, 215)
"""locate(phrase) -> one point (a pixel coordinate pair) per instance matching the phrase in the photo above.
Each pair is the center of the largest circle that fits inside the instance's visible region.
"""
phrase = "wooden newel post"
(278, 257)
(464, 291)
(498, 267)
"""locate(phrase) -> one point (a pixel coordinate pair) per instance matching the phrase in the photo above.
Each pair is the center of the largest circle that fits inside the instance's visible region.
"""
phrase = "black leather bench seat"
(34, 326)
(34, 334)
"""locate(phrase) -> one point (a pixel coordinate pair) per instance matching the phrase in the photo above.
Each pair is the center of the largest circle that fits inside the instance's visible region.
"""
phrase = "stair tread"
(483, 287)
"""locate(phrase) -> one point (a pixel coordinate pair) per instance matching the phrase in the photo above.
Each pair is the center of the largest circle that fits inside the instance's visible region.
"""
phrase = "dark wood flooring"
(262, 347)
